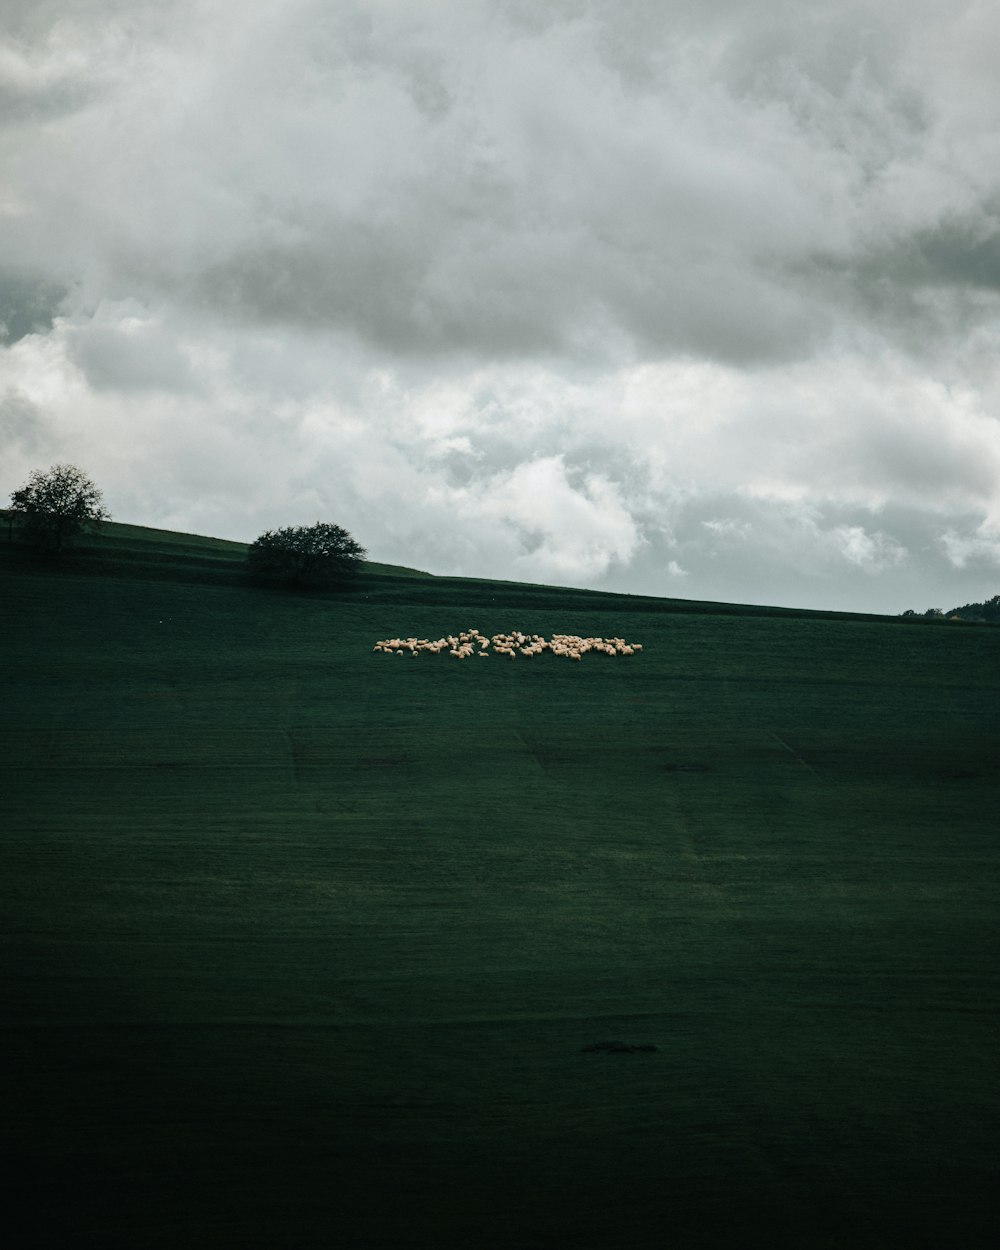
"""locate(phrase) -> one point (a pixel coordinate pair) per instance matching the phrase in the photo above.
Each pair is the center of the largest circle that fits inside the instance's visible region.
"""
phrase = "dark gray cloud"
(489, 182)
(39, 102)
(647, 179)
(48, 70)
(368, 280)
(954, 253)
(124, 348)
(22, 425)
(28, 303)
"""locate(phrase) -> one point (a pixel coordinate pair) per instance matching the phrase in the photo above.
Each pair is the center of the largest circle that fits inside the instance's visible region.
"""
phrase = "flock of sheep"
(464, 646)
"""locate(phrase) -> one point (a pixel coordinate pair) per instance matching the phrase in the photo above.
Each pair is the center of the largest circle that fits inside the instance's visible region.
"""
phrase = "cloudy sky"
(693, 298)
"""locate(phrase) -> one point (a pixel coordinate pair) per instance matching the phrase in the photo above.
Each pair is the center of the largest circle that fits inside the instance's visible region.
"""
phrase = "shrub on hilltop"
(315, 557)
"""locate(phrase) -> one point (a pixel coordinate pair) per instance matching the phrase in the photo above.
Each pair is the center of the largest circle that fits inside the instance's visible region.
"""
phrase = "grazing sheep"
(463, 645)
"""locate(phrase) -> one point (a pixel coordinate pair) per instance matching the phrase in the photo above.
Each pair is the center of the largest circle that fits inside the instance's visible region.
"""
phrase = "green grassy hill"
(304, 945)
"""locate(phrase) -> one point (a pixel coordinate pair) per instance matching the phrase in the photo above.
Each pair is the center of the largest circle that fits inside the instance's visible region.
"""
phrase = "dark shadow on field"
(269, 1180)
(489, 1134)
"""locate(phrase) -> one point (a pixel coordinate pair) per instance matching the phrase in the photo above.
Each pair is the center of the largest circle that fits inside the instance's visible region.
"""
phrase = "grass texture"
(304, 945)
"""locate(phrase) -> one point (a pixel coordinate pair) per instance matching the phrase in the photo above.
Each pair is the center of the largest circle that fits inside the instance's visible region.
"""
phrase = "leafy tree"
(981, 612)
(57, 506)
(319, 556)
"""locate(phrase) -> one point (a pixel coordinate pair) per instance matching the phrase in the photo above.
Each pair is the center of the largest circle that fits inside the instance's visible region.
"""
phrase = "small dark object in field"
(616, 1048)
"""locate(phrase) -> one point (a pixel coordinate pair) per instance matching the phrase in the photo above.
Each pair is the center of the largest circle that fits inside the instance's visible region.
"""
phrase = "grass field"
(303, 945)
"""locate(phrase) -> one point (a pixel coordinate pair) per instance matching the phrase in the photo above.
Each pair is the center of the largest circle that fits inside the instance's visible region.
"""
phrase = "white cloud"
(570, 531)
(980, 547)
(872, 552)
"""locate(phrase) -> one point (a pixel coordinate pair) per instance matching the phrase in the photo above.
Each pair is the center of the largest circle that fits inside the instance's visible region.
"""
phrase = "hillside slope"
(307, 945)
(140, 550)
(134, 551)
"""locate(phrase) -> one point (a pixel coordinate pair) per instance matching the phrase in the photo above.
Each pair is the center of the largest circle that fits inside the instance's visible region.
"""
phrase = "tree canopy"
(987, 612)
(57, 505)
(320, 556)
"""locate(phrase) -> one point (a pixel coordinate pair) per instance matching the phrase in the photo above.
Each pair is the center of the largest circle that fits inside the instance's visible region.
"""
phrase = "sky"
(691, 298)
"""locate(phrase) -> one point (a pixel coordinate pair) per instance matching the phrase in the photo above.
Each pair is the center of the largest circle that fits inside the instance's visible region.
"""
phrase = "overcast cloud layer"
(696, 299)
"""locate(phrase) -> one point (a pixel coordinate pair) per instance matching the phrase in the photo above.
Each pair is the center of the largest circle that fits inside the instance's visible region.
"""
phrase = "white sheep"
(512, 644)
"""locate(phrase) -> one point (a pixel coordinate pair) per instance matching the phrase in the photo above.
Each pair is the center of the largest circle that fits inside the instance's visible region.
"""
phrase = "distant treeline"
(987, 613)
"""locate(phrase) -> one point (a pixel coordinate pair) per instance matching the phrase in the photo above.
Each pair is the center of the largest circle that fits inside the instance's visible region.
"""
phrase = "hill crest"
(121, 549)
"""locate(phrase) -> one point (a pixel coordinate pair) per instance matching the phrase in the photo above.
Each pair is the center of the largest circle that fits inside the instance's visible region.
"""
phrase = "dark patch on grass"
(617, 1048)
